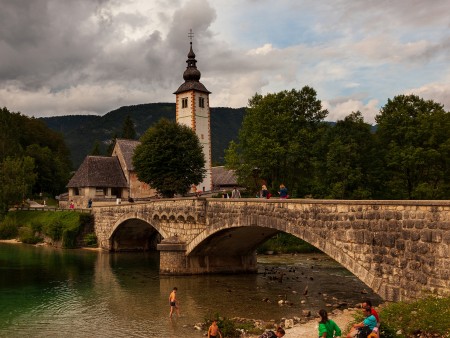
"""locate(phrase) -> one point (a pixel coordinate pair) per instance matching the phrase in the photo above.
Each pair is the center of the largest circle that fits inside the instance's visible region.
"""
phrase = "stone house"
(107, 179)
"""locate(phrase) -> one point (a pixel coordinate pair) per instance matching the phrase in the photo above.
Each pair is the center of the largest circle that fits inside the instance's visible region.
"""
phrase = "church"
(105, 179)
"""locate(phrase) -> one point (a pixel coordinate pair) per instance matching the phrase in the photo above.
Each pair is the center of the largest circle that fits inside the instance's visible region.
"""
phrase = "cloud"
(58, 56)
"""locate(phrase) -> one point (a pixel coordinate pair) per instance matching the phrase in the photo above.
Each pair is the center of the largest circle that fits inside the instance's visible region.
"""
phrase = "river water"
(48, 292)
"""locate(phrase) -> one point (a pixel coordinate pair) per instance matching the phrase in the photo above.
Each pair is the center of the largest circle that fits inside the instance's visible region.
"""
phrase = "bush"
(226, 326)
(69, 238)
(8, 229)
(426, 317)
(54, 230)
(26, 235)
(36, 226)
(90, 240)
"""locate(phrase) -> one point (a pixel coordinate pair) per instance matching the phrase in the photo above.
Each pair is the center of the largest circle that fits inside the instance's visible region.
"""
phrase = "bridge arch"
(218, 245)
(132, 232)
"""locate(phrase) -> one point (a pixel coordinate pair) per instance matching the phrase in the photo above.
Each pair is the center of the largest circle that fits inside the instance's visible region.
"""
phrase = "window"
(201, 102)
(184, 103)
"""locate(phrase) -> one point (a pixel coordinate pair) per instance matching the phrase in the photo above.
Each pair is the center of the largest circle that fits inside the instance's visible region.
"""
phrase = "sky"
(65, 57)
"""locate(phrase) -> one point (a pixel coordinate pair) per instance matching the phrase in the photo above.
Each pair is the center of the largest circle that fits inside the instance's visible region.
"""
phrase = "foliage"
(277, 136)
(21, 136)
(227, 327)
(128, 131)
(64, 225)
(16, 179)
(90, 240)
(286, 243)
(429, 316)
(170, 158)
(350, 161)
(96, 149)
(27, 235)
(8, 229)
(54, 229)
(415, 135)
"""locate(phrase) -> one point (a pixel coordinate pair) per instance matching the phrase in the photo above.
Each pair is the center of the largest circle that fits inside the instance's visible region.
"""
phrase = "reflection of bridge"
(401, 249)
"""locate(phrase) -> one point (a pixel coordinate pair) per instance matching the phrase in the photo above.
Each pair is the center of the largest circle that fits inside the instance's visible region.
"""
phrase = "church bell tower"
(192, 110)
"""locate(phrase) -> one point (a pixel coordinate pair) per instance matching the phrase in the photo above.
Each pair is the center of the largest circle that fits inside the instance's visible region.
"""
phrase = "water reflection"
(46, 292)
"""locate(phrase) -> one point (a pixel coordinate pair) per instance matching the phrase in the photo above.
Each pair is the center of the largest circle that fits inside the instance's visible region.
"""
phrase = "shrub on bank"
(8, 229)
(428, 317)
(27, 235)
(64, 226)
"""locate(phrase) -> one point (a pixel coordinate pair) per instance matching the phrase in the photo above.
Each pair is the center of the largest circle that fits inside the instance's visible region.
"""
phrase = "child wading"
(173, 302)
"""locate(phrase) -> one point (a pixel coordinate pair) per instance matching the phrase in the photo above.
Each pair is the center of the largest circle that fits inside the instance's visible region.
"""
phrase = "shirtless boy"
(173, 302)
(213, 331)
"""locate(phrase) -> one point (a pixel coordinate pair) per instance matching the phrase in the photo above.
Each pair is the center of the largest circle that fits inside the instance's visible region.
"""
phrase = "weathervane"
(191, 34)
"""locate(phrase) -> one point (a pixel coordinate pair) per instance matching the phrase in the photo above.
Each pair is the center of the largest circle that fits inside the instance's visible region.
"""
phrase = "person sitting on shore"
(270, 334)
(368, 303)
(327, 327)
(370, 321)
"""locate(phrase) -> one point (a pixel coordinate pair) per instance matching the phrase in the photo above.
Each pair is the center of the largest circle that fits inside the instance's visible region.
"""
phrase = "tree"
(24, 136)
(16, 179)
(415, 135)
(128, 130)
(96, 149)
(349, 166)
(277, 136)
(170, 158)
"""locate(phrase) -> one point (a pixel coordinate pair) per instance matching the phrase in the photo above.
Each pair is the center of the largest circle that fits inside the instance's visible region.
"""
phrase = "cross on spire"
(191, 34)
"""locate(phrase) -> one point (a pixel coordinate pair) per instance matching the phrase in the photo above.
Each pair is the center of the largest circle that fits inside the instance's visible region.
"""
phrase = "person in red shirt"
(368, 303)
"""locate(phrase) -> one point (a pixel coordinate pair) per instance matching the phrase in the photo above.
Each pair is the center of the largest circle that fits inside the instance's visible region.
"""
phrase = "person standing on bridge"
(283, 191)
(235, 193)
(173, 302)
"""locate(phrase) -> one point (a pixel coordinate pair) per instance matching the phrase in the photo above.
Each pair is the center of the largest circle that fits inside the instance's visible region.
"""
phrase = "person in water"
(213, 331)
(173, 302)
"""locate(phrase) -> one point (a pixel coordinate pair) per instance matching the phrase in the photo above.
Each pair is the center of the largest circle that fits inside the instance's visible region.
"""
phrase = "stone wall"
(401, 249)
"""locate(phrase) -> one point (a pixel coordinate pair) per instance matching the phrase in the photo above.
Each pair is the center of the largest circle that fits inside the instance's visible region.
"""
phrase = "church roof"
(192, 85)
(127, 148)
(223, 177)
(98, 171)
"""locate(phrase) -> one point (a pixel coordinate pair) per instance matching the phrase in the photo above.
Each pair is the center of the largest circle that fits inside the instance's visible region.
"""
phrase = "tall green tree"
(128, 131)
(277, 137)
(415, 134)
(22, 136)
(17, 177)
(170, 158)
(96, 149)
(350, 164)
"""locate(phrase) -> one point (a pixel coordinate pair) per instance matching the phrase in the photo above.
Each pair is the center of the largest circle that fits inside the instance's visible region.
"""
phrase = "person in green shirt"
(327, 327)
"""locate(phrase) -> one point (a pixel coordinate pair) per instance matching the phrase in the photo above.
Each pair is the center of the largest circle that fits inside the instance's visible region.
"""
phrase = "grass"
(428, 317)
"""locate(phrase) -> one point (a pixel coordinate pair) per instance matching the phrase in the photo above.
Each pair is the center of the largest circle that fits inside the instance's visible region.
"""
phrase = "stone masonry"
(400, 249)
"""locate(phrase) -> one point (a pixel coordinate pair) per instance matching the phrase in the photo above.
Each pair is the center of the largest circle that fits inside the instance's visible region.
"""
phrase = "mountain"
(80, 132)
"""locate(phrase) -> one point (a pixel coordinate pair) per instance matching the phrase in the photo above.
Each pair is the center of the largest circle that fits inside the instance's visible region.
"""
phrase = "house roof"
(98, 171)
(127, 148)
(223, 177)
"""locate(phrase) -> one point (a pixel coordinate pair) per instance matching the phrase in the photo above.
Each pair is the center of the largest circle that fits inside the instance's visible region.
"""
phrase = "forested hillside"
(83, 131)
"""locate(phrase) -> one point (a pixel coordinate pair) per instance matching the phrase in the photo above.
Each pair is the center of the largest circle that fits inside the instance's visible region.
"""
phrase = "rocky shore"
(310, 329)
(298, 327)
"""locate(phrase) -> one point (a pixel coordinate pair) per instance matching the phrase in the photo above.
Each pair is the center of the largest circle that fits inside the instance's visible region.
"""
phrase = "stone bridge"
(400, 249)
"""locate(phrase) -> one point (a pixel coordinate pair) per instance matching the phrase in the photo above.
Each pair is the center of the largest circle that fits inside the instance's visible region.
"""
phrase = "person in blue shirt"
(283, 191)
(370, 321)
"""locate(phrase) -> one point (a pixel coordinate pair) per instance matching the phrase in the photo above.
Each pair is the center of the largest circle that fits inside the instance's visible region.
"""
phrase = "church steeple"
(192, 110)
(192, 75)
